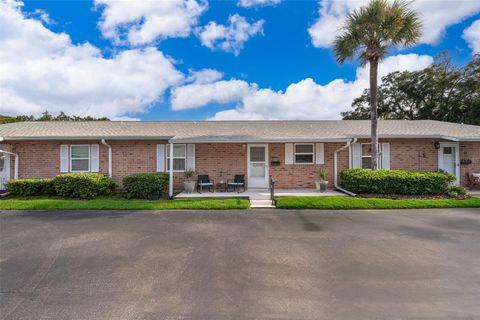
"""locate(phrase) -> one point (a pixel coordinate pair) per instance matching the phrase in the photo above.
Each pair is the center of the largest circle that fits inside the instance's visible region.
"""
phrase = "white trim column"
(15, 166)
(109, 157)
(170, 180)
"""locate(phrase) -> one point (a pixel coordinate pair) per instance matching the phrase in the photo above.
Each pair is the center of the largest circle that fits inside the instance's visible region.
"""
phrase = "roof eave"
(87, 138)
(260, 140)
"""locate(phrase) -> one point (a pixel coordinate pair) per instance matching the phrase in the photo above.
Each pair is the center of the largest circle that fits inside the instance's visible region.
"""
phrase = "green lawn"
(53, 203)
(371, 203)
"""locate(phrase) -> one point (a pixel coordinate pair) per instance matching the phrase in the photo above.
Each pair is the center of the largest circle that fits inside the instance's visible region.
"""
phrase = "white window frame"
(167, 165)
(89, 157)
(303, 153)
(379, 161)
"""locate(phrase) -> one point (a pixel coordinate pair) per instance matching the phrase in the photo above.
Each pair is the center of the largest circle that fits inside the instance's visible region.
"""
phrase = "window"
(80, 158)
(304, 153)
(257, 154)
(179, 157)
(2, 161)
(367, 156)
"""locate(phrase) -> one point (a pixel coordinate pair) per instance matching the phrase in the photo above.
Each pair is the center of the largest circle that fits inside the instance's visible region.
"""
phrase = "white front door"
(4, 169)
(257, 166)
(448, 159)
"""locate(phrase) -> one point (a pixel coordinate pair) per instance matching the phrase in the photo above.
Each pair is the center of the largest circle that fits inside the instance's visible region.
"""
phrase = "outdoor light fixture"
(437, 145)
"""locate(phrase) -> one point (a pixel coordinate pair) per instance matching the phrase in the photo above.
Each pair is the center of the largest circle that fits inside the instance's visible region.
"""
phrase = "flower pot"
(321, 185)
(189, 186)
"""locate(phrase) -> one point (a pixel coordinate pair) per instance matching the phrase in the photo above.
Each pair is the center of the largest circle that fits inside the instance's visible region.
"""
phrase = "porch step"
(258, 203)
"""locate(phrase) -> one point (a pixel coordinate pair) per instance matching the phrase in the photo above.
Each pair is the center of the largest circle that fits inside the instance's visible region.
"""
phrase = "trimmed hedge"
(395, 181)
(143, 185)
(30, 187)
(83, 185)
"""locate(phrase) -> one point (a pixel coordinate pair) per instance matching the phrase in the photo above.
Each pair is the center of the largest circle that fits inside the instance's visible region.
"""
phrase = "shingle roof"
(239, 131)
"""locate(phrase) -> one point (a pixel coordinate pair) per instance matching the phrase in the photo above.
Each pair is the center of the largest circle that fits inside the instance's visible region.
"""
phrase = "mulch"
(408, 196)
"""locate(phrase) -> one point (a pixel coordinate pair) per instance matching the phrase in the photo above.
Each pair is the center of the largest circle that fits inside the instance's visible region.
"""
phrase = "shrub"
(456, 191)
(30, 187)
(142, 185)
(83, 185)
(396, 181)
(323, 175)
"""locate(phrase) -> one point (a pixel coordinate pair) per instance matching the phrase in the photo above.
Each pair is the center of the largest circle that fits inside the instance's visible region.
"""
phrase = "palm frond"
(369, 31)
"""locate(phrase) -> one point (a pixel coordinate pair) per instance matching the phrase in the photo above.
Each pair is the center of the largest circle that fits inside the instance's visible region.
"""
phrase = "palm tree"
(368, 33)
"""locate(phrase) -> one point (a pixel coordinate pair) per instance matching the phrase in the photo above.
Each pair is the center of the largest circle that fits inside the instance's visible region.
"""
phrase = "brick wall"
(221, 161)
(133, 157)
(41, 159)
(304, 175)
(413, 154)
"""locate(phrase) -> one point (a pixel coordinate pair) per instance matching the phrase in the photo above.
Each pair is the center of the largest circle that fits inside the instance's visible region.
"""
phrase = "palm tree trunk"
(373, 108)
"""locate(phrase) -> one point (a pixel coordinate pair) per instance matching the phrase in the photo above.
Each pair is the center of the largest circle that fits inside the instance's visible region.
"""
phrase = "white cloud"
(309, 100)
(143, 22)
(231, 37)
(43, 16)
(204, 76)
(42, 70)
(436, 16)
(472, 36)
(257, 3)
(200, 94)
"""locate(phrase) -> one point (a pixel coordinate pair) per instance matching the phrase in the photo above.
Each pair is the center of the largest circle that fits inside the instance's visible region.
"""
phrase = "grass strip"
(371, 203)
(53, 203)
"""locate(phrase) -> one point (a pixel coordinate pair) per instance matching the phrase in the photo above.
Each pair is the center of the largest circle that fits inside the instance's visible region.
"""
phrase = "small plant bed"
(112, 203)
(372, 203)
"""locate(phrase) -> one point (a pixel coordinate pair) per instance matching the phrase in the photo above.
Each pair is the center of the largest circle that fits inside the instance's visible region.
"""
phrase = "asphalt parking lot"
(253, 264)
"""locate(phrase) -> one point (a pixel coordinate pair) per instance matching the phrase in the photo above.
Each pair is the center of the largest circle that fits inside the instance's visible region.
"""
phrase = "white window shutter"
(320, 153)
(191, 157)
(288, 153)
(160, 158)
(64, 159)
(386, 156)
(94, 158)
(356, 155)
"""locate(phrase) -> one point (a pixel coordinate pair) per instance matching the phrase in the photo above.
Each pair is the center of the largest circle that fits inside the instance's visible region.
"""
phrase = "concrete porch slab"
(474, 192)
(261, 194)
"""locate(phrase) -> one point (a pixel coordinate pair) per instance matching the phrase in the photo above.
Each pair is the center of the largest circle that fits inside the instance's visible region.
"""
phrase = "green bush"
(30, 187)
(395, 181)
(83, 185)
(456, 191)
(142, 185)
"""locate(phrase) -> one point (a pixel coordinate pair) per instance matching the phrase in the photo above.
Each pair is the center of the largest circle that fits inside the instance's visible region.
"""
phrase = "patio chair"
(237, 183)
(474, 179)
(204, 181)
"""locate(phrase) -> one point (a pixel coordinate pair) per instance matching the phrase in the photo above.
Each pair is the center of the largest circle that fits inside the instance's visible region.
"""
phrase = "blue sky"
(273, 61)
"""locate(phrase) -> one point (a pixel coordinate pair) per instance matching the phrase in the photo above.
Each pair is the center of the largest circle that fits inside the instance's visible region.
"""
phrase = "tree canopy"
(46, 116)
(442, 91)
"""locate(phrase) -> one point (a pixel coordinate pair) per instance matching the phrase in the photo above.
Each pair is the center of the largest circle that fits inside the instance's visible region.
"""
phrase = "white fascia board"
(188, 140)
(87, 138)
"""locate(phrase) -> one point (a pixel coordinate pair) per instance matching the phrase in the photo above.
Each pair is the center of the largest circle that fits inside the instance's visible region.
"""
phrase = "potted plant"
(322, 183)
(188, 185)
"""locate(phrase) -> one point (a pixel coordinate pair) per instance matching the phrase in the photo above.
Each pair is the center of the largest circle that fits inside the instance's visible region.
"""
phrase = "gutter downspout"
(335, 167)
(170, 180)
(109, 157)
(17, 158)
